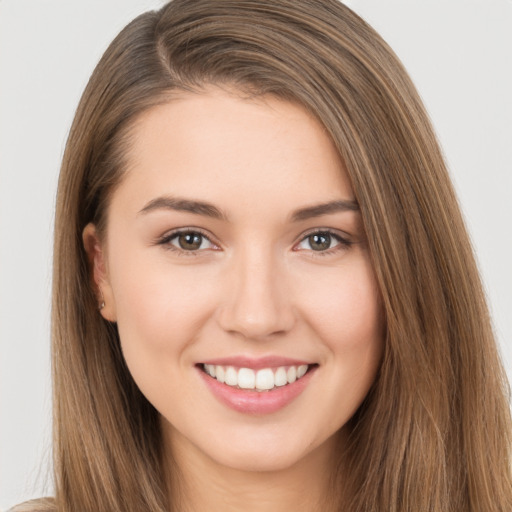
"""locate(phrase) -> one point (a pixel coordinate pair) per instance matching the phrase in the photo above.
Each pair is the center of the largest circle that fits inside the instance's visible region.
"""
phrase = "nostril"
(257, 305)
(256, 322)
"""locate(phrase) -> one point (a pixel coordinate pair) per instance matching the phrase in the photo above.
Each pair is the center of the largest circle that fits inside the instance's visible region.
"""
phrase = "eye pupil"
(190, 241)
(320, 241)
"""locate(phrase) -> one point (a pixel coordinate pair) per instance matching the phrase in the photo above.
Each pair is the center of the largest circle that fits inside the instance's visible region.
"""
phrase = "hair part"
(434, 432)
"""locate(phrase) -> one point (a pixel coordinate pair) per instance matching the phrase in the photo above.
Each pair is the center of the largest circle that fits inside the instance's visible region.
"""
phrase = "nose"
(257, 304)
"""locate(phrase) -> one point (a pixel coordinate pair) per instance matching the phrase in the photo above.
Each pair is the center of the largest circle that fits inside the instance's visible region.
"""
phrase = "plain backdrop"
(459, 53)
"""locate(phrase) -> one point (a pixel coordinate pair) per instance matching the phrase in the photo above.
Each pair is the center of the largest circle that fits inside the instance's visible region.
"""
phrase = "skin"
(256, 286)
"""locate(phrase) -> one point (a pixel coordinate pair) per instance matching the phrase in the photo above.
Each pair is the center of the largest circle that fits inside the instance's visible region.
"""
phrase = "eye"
(322, 241)
(188, 240)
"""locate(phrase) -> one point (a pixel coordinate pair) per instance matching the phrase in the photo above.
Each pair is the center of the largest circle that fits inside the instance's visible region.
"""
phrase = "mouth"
(256, 387)
(259, 380)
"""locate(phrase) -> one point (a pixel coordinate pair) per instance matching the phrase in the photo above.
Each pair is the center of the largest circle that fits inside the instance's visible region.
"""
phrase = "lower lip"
(256, 402)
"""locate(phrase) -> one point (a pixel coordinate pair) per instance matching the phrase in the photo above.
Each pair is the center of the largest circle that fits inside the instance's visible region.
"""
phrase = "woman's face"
(235, 248)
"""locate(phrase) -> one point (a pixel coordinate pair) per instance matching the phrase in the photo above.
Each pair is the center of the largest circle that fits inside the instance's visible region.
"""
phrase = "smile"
(263, 379)
(256, 386)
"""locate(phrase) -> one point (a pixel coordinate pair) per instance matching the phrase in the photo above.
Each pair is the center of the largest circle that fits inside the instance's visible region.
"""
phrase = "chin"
(269, 455)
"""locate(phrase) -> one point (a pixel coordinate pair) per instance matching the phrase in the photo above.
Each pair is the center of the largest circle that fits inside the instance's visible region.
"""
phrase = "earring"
(102, 303)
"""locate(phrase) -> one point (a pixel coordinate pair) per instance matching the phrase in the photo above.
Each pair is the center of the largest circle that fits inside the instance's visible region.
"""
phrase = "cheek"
(160, 313)
(346, 313)
(345, 308)
(159, 307)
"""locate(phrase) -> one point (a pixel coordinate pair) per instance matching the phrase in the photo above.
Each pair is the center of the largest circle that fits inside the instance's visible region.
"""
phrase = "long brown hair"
(434, 433)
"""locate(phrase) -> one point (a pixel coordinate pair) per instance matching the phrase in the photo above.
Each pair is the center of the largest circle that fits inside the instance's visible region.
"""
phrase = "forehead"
(221, 146)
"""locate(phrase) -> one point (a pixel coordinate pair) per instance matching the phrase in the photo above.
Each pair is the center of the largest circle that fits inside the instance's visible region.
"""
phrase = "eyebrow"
(184, 205)
(342, 205)
(209, 210)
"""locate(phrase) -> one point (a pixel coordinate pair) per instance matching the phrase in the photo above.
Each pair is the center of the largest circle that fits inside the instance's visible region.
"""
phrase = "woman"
(264, 294)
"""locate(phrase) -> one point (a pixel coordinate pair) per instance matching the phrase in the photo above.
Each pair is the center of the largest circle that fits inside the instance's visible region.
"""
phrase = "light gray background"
(459, 52)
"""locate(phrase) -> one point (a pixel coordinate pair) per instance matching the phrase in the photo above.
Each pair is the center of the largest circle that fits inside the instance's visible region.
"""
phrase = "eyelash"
(343, 243)
(165, 241)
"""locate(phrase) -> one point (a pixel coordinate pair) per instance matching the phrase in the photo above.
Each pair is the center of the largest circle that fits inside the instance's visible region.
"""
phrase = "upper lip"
(256, 363)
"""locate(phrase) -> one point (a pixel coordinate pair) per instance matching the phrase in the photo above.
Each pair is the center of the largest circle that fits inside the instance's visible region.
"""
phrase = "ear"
(99, 274)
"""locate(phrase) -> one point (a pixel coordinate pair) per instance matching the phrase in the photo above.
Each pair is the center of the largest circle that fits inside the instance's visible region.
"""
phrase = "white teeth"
(265, 379)
(301, 370)
(231, 377)
(246, 378)
(220, 374)
(280, 377)
(210, 369)
(261, 380)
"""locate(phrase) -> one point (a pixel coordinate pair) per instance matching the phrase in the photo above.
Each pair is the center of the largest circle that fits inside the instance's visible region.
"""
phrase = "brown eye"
(323, 242)
(187, 241)
(190, 241)
(320, 241)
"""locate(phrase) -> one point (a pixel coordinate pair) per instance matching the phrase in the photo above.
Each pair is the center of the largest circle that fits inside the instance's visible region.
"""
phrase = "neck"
(200, 484)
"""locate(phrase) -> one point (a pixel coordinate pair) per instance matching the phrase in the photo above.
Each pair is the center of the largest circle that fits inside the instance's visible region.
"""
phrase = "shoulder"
(39, 505)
